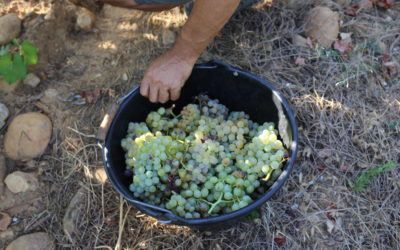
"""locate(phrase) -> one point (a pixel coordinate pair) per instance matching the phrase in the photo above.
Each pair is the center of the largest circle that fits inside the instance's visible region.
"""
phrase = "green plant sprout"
(14, 61)
(366, 177)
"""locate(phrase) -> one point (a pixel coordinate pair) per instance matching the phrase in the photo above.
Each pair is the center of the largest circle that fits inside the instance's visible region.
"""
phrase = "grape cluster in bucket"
(204, 161)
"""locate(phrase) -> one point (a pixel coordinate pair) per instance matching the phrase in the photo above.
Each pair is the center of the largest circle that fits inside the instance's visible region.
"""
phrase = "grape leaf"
(12, 69)
(30, 53)
(5, 64)
(19, 67)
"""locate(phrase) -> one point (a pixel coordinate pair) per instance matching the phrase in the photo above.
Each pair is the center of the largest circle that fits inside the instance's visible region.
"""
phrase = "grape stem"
(268, 175)
(175, 116)
(213, 205)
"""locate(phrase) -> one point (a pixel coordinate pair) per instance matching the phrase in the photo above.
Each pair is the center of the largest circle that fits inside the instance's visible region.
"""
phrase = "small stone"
(27, 136)
(85, 19)
(10, 28)
(168, 37)
(37, 241)
(7, 87)
(322, 24)
(31, 80)
(124, 77)
(4, 113)
(21, 182)
(7, 235)
(300, 41)
(99, 175)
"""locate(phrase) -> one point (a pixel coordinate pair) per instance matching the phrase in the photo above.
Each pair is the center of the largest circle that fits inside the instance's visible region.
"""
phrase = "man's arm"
(167, 74)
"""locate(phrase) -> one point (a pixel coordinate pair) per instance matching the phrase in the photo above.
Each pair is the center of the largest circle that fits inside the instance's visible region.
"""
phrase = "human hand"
(165, 77)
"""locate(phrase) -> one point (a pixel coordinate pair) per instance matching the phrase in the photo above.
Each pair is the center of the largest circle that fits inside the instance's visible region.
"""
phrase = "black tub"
(238, 90)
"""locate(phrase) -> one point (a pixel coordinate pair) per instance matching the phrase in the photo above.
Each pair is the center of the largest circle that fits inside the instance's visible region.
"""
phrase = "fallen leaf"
(91, 96)
(300, 61)
(329, 214)
(321, 168)
(388, 66)
(342, 46)
(280, 240)
(5, 221)
(383, 3)
(352, 10)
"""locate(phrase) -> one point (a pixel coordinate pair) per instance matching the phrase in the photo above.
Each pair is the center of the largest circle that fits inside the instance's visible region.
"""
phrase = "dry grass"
(347, 118)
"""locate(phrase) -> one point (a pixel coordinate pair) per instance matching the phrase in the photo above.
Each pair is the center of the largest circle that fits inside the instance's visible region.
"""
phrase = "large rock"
(27, 136)
(36, 241)
(10, 28)
(21, 182)
(4, 113)
(322, 24)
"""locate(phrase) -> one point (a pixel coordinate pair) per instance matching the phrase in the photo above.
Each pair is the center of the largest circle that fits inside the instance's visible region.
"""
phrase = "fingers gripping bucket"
(235, 88)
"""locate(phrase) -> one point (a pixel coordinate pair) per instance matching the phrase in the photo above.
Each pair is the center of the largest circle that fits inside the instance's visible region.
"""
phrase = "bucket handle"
(212, 64)
(109, 116)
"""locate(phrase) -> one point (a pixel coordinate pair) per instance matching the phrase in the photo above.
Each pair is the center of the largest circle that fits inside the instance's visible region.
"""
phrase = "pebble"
(124, 77)
(31, 80)
(85, 19)
(10, 28)
(21, 182)
(99, 175)
(4, 113)
(168, 37)
(6, 87)
(36, 241)
(7, 235)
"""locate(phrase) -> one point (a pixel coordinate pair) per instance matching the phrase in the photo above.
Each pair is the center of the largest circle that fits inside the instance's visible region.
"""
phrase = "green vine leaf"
(13, 65)
(19, 67)
(30, 53)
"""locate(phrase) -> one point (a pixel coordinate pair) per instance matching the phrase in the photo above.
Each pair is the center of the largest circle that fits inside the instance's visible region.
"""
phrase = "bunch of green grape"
(204, 161)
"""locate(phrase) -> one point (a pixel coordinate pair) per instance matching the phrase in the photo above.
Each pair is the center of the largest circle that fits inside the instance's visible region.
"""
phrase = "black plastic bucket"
(239, 91)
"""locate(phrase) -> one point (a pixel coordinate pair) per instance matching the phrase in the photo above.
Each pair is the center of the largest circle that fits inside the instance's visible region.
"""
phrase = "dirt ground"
(347, 108)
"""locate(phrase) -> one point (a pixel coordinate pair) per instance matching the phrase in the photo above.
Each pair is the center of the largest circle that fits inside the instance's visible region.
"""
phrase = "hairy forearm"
(205, 21)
